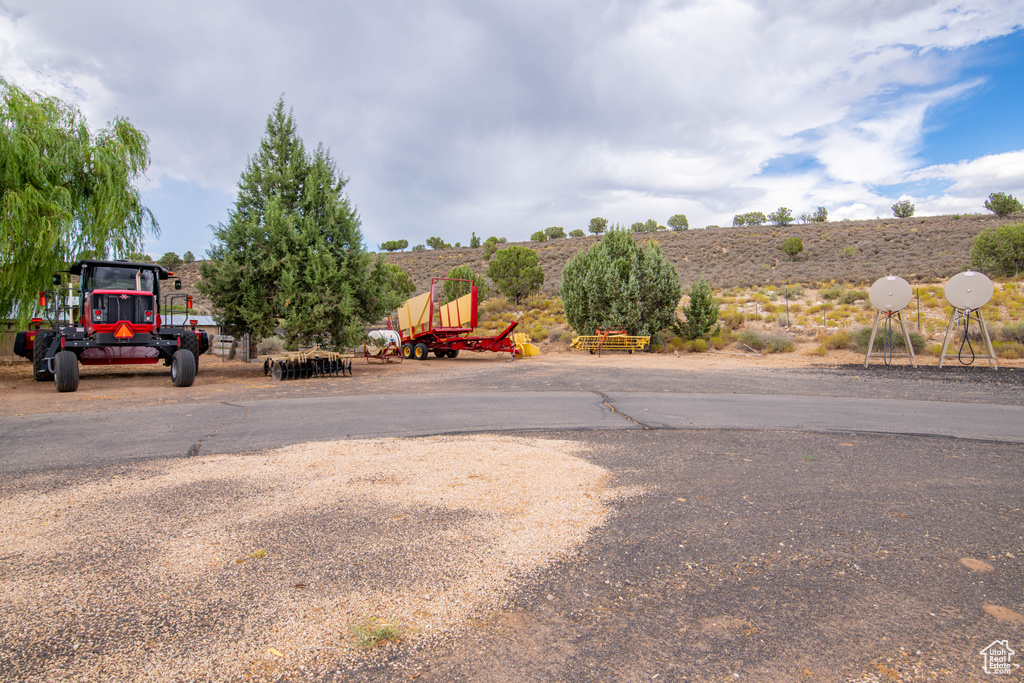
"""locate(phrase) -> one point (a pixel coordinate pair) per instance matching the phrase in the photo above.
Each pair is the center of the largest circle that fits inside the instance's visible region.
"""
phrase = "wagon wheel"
(407, 350)
(421, 351)
(454, 353)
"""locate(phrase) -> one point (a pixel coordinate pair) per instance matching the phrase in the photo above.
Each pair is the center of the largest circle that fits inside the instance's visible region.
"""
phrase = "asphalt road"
(57, 440)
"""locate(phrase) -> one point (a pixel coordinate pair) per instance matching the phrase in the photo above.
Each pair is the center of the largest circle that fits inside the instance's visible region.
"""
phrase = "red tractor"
(112, 317)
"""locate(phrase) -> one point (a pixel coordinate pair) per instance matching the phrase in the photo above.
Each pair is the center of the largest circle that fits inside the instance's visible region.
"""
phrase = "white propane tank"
(378, 340)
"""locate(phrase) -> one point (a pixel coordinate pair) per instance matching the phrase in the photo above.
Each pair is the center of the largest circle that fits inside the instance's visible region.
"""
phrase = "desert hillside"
(920, 249)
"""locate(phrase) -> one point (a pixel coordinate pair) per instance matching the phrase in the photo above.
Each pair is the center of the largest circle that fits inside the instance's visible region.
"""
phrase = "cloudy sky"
(503, 118)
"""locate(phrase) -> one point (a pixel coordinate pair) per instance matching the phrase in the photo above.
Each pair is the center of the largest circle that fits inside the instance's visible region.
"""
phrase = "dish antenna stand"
(967, 292)
(890, 295)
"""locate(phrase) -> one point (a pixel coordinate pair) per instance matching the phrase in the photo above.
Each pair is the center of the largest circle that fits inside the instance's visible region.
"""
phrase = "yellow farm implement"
(610, 340)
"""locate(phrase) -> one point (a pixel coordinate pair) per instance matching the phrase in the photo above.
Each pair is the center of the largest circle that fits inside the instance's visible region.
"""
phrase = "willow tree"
(617, 284)
(291, 255)
(64, 191)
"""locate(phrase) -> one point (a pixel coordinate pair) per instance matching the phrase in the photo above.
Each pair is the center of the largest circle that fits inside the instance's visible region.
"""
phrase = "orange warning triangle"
(123, 331)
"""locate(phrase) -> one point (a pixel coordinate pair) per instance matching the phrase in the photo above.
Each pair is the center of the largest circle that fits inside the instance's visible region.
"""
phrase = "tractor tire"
(420, 351)
(39, 370)
(183, 368)
(190, 342)
(65, 371)
(441, 353)
(407, 350)
(454, 353)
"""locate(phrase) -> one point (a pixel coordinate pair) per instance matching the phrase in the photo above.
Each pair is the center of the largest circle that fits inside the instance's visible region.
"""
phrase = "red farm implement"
(425, 325)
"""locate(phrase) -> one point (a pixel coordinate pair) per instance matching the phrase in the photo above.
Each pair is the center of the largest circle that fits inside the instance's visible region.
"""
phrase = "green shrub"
(781, 216)
(1003, 205)
(860, 339)
(516, 272)
(554, 232)
(830, 293)
(617, 284)
(678, 222)
(763, 341)
(394, 245)
(539, 236)
(170, 260)
(999, 251)
(839, 340)
(902, 209)
(791, 246)
(852, 296)
(696, 346)
(1014, 332)
(576, 233)
(1008, 349)
(821, 215)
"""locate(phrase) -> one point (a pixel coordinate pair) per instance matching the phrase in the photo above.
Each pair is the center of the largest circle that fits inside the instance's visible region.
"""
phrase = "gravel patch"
(258, 566)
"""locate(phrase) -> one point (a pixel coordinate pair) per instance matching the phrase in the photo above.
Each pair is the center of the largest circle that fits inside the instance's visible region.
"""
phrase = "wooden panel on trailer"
(460, 313)
(414, 315)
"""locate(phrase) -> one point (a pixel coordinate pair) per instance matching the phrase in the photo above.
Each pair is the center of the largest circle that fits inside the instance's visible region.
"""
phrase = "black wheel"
(421, 351)
(39, 370)
(441, 353)
(407, 350)
(454, 353)
(593, 351)
(65, 371)
(183, 368)
(190, 342)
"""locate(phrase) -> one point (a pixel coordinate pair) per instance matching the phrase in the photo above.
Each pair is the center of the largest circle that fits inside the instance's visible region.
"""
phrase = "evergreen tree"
(291, 254)
(701, 313)
(516, 272)
(453, 290)
(616, 284)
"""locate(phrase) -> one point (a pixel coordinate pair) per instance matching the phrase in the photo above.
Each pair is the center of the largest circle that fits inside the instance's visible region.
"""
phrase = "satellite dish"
(891, 294)
(969, 290)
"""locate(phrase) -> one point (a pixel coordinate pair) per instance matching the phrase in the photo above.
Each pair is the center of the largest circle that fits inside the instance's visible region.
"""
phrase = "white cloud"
(505, 118)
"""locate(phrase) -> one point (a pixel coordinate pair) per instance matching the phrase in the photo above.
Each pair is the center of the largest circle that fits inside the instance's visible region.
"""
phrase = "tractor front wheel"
(65, 371)
(190, 342)
(39, 370)
(183, 368)
(421, 351)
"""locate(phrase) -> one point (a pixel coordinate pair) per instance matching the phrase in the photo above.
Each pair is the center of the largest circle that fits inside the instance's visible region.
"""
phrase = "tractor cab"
(112, 292)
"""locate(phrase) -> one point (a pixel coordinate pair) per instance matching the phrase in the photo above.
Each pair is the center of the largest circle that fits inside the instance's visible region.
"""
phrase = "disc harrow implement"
(315, 362)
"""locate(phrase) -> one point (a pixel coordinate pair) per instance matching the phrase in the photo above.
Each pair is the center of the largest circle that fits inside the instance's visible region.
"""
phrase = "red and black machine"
(112, 317)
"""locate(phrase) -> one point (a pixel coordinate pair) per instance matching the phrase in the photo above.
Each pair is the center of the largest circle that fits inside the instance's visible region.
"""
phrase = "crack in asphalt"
(194, 450)
(608, 404)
